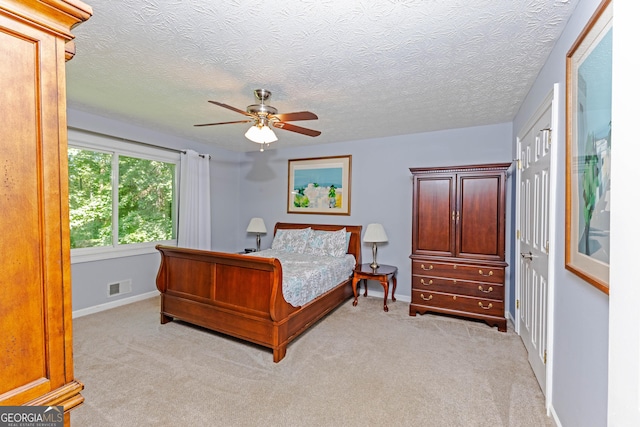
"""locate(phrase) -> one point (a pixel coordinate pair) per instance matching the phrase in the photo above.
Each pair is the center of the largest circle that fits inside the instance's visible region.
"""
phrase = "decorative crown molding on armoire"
(458, 242)
(36, 346)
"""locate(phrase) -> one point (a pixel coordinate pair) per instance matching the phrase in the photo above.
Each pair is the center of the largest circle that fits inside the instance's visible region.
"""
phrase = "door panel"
(478, 207)
(36, 365)
(534, 242)
(433, 218)
(26, 363)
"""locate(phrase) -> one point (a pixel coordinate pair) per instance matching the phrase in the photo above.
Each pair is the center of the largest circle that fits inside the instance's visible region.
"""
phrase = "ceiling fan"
(263, 116)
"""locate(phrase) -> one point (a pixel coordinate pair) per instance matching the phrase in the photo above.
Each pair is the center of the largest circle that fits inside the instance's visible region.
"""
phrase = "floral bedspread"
(305, 277)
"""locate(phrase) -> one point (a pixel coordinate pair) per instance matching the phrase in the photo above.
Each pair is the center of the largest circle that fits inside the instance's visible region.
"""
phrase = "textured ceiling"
(368, 69)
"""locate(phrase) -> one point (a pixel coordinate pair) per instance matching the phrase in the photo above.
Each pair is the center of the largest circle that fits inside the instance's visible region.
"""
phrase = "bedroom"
(253, 183)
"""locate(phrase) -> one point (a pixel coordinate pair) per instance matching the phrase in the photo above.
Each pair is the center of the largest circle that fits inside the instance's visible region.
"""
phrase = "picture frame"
(320, 185)
(588, 150)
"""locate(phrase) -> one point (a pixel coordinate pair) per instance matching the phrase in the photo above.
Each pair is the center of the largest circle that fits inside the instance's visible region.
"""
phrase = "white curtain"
(194, 208)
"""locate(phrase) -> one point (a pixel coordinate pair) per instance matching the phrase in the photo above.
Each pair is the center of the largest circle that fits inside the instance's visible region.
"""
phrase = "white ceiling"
(368, 68)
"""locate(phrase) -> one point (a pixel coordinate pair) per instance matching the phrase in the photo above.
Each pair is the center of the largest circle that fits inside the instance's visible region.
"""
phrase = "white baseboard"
(380, 294)
(510, 317)
(102, 307)
(555, 416)
(107, 306)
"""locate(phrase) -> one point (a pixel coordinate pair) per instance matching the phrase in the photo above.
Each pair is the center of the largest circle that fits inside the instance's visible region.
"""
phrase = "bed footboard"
(238, 295)
(241, 295)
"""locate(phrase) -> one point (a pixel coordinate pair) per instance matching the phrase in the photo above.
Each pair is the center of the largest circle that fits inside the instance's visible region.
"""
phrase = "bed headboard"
(355, 230)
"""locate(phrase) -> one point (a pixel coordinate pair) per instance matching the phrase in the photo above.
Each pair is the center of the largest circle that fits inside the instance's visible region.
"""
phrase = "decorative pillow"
(316, 242)
(332, 243)
(294, 240)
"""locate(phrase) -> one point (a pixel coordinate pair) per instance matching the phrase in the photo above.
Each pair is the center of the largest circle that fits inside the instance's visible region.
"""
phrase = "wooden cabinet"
(458, 247)
(36, 362)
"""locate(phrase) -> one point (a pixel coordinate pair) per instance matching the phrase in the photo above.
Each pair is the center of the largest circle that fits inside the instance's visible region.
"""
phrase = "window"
(122, 197)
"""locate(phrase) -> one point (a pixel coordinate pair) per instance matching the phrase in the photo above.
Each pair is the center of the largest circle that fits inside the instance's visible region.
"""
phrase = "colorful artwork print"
(319, 185)
(588, 169)
(318, 188)
(594, 150)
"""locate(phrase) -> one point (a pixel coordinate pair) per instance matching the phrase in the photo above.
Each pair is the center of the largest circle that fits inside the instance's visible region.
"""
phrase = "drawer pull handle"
(482, 306)
(426, 299)
(482, 274)
(425, 268)
(426, 284)
(480, 288)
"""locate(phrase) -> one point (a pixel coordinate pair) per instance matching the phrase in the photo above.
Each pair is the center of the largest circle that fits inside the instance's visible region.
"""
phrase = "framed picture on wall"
(320, 185)
(588, 167)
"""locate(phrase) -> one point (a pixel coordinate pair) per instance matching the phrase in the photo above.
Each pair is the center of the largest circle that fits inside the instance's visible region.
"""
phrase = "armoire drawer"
(479, 273)
(458, 286)
(458, 303)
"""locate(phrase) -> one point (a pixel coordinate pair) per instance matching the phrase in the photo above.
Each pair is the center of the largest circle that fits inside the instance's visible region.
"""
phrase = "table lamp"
(256, 225)
(375, 234)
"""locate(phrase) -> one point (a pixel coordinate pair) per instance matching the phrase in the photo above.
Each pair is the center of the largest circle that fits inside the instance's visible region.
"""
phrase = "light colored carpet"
(359, 366)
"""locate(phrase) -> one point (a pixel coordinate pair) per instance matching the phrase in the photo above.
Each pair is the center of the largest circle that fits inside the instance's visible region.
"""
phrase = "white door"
(534, 186)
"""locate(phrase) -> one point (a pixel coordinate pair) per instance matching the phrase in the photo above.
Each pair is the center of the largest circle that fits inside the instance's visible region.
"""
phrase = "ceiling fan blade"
(225, 123)
(294, 128)
(299, 115)
(229, 107)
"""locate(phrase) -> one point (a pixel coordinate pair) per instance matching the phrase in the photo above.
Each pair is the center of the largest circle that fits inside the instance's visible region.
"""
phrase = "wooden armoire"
(36, 361)
(458, 248)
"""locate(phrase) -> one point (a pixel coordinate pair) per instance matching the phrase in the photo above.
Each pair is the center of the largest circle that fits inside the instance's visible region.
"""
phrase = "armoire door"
(480, 215)
(36, 361)
(433, 220)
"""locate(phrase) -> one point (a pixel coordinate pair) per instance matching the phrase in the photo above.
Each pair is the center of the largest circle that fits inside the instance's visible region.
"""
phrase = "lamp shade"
(256, 225)
(261, 134)
(375, 233)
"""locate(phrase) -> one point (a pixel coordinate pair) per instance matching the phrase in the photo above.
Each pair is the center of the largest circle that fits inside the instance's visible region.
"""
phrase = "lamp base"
(374, 264)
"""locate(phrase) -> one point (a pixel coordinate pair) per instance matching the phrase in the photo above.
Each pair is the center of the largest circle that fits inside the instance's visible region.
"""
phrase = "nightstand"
(381, 274)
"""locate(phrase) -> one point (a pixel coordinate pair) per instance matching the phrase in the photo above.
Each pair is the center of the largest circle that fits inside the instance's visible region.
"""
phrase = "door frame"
(553, 98)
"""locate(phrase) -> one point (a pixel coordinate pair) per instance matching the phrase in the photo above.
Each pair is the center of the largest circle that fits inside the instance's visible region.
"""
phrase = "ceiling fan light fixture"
(261, 134)
(264, 116)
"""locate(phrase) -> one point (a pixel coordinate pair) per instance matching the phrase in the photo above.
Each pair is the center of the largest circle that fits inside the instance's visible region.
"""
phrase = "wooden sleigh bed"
(242, 295)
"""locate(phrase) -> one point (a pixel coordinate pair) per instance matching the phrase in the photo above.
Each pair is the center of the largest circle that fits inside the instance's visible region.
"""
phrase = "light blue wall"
(580, 364)
(381, 184)
(245, 185)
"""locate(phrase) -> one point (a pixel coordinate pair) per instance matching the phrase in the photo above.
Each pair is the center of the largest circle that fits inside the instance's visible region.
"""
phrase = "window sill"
(101, 254)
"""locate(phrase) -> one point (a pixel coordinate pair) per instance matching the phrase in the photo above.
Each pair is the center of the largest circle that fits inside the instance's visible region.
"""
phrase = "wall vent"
(119, 287)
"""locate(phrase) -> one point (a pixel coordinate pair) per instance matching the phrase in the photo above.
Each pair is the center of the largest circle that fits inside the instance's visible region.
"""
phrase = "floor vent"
(118, 288)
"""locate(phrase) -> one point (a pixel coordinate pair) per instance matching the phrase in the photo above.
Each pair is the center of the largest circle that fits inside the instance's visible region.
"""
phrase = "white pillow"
(294, 240)
(331, 243)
